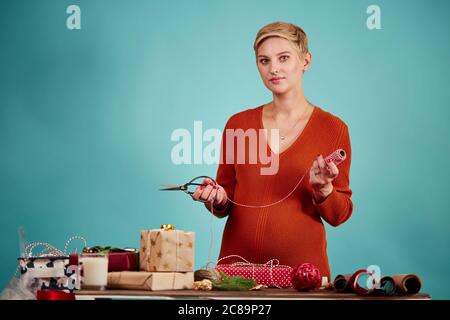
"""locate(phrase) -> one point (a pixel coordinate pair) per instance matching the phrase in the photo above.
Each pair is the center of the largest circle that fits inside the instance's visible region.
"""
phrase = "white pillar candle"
(95, 270)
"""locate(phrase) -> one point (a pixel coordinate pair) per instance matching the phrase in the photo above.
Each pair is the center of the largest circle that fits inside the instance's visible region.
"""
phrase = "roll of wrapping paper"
(349, 283)
(407, 283)
(341, 283)
(355, 285)
(387, 287)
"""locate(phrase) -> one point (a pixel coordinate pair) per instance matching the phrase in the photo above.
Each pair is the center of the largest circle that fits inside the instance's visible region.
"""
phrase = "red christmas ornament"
(306, 277)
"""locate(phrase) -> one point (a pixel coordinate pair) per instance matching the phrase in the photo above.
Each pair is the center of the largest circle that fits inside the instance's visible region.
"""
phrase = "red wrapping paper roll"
(356, 288)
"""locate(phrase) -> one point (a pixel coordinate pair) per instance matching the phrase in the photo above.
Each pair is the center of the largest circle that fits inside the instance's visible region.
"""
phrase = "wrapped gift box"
(167, 250)
(153, 281)
(271, 276)
(117, 261)
(50, 272)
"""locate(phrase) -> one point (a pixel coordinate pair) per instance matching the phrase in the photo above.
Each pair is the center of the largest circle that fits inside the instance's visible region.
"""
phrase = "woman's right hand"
(212, 193)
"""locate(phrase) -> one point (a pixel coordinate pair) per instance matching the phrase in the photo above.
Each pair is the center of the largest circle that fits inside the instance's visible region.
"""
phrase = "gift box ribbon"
(101, 249)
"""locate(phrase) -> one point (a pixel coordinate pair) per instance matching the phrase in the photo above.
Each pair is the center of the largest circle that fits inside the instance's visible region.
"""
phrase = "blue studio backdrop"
(87, 114)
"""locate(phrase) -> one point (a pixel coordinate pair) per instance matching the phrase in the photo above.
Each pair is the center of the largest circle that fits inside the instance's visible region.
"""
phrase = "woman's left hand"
(321, 176)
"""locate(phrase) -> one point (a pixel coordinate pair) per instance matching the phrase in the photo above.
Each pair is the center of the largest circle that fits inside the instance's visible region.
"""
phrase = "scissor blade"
(166, 187)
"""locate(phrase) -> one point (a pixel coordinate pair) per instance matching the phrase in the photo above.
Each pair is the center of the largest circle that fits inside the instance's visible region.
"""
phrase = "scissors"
(188, 187)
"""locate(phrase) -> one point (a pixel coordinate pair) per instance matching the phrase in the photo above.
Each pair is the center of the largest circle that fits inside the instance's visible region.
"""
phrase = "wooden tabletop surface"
(265, 293)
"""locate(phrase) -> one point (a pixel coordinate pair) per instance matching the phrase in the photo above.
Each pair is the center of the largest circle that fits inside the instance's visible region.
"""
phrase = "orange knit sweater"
(291, 231)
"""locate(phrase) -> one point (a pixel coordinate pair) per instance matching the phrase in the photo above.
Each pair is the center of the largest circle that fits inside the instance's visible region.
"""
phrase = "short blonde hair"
(286, 30)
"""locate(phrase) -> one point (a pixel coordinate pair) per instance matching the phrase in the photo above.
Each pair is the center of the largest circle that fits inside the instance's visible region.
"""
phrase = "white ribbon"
(51, 250)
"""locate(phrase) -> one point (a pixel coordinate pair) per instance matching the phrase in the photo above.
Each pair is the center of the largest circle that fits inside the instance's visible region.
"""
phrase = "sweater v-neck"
(297, 139)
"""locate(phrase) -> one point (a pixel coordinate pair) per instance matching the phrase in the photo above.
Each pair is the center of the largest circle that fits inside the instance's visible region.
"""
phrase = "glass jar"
(94, 268)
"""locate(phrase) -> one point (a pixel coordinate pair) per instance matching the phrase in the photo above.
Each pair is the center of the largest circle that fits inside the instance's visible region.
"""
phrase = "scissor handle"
(200, 177)
(190, 183)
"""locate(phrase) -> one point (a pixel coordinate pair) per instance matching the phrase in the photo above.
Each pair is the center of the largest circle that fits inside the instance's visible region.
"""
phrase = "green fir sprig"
(229, 283)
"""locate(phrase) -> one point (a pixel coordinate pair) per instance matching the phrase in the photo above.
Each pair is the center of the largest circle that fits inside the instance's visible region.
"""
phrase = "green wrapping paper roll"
(387, 287)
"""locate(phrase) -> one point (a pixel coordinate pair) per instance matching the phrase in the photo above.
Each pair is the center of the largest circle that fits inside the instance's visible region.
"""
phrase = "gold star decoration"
(159, 254)
(152, 242)
(165, 265)
(180, 244)
(190, 245)
(189, 264)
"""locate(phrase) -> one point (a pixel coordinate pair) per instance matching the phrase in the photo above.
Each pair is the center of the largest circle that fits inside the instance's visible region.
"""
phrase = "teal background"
(86, 118)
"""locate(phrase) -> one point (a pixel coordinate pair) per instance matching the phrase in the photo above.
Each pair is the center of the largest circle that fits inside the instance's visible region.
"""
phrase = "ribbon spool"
(337, 156)
(54, 295)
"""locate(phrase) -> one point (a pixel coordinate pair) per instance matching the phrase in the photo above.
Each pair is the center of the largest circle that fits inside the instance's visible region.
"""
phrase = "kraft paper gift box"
(153, 281)
(166, 250)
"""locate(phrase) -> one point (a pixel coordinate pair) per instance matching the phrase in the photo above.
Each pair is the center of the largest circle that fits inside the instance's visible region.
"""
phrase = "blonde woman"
(291, 231)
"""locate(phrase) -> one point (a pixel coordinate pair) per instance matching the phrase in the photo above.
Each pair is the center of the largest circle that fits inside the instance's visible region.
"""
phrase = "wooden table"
(263, 294)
